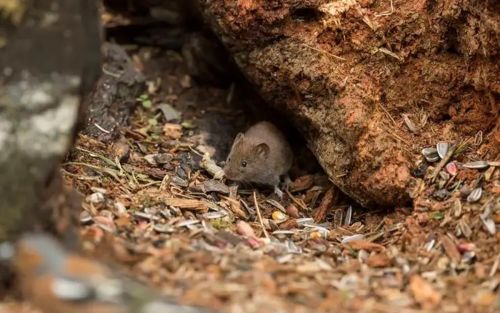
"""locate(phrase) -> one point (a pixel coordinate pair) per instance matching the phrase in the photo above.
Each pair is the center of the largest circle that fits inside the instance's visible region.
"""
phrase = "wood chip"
(451, 249)
(424, 293)
(191, 204)
(365, 245)
(326, 203)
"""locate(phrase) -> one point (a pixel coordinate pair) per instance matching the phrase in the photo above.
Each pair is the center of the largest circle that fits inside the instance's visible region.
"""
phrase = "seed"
(85, 218)
(409, 123)
(475, 195)
(476, 165)
(489, 224)
(429, 151)
(315, 235)
(279, 216)
(442, 149)
(432, 159)
(452, 168)
(164, 228)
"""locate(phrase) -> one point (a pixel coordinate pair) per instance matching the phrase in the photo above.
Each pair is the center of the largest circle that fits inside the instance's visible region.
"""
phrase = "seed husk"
(451, 168)
(429, 151)
(442, 149)
(85, 218)
(475, 195)
(479, 165)
(430, 154)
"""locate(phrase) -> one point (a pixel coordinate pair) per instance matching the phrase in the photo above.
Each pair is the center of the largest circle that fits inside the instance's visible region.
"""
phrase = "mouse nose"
(228, 173)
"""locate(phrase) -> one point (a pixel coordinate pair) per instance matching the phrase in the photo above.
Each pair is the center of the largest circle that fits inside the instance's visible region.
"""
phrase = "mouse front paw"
(278, 192)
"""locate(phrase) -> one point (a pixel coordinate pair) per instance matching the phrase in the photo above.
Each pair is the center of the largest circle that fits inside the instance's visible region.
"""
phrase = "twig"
(387, 12)
(388, 114)
(105, 170)
(442, 163)
(102, 128)
(389, 53)
(328, 199)
(77, 176)
(297, 202)
(324, 52)
(259, 215)
(99, 156)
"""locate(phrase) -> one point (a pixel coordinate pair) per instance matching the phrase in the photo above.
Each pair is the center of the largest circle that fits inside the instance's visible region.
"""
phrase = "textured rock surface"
(347, 72)
(42, 71)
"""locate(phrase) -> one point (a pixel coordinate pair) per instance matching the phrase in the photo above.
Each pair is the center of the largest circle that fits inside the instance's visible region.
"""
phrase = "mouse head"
(246, 159)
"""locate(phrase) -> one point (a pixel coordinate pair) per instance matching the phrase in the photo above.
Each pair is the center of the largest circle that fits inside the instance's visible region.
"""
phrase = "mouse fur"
(260, 155)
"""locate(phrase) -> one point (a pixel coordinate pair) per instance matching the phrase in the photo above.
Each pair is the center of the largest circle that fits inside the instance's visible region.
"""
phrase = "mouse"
(261, 155)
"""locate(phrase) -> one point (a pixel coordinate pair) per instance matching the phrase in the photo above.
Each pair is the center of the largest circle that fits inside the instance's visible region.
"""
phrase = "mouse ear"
(238, 138)
(261, 150)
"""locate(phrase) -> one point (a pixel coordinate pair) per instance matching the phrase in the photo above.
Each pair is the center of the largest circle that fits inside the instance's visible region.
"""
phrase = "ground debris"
(176, 224)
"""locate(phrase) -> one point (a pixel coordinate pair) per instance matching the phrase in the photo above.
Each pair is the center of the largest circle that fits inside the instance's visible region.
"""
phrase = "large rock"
(348, 72)
(50, 53)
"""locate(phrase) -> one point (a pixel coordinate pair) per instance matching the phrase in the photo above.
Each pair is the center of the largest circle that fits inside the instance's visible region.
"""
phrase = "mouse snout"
(227, 171)
(230, 173)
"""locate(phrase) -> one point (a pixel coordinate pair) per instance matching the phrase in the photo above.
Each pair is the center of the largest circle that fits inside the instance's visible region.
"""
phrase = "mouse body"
(260, 155)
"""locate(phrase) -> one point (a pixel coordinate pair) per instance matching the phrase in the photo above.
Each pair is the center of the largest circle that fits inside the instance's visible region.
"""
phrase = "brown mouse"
(261, 155)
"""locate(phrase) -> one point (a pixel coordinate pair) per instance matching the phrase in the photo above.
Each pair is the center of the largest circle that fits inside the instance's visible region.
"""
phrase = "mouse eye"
(244, 163)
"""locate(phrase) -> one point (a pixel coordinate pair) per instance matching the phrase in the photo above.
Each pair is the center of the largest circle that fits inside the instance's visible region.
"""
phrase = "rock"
(49, 58)
(111, 101)
(349, 72)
